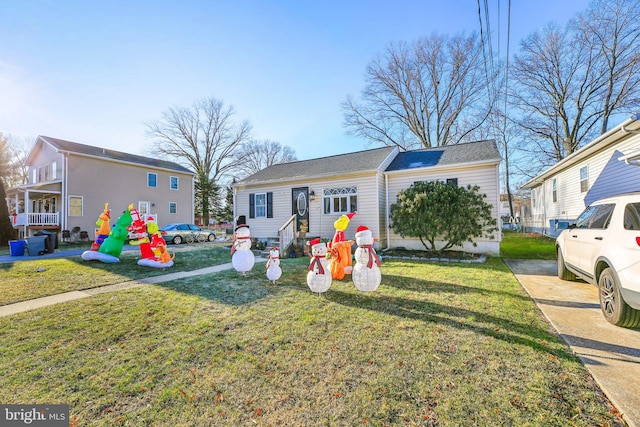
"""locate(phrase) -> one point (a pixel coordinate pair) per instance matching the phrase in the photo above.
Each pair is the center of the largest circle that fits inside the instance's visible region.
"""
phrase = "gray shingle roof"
(90, 150)
(360, 161)
(448, 155)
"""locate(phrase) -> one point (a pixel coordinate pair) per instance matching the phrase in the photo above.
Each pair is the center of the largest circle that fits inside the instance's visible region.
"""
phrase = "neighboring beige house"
(69, 183)
(278, 200)
(604, 167)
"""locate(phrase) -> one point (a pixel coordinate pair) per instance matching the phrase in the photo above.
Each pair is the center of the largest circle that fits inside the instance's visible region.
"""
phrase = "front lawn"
(516, 245)
(24, 280)
(437, 344)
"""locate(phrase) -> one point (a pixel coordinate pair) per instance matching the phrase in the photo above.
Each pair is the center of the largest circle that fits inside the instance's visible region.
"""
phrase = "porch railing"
(43, 218)
(287, 233)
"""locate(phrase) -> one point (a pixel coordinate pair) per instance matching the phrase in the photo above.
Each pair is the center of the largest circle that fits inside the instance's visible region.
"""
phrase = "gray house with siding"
(277, 201)
(602, 168)
(69, 183)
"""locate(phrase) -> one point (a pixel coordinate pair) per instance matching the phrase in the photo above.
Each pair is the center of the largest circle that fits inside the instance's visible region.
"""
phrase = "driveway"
(611, 354)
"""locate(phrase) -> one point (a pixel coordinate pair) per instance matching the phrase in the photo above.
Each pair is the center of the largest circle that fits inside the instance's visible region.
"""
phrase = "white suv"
(603, 248)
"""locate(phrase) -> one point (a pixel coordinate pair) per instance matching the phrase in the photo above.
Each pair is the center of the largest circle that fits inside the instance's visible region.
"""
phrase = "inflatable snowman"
(319, 276)
(366, 272)
(273, 265)
(242, 258)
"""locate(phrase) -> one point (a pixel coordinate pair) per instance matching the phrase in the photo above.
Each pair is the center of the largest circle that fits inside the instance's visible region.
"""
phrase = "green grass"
(517, 245)
(24, 280)
(437, 344)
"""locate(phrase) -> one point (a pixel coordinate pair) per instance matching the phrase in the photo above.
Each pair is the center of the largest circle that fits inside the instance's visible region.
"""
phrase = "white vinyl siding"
(320, 224)
(571, 201)
(484, 177)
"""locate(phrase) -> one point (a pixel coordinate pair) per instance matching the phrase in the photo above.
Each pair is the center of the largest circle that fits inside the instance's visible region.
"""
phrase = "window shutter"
(252, 205)
(269, 205)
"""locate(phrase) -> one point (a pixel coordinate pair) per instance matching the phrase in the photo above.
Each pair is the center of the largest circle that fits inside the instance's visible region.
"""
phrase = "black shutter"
(252, 205)
(269, 205)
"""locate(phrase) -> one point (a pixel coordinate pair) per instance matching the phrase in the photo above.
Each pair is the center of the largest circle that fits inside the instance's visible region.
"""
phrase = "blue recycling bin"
(16, 247)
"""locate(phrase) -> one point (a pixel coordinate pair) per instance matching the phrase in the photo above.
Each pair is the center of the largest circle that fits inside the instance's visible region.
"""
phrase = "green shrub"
(435, 211)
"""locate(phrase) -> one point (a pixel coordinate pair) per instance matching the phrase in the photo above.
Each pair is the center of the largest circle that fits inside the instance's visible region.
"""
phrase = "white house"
(278, 200)
(604, 167)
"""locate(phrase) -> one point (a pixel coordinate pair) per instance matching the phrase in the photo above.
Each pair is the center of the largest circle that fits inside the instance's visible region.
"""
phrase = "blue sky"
(95, 71)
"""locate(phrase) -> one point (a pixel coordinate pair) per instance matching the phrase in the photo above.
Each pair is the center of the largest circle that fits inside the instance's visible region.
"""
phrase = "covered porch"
(33, 209)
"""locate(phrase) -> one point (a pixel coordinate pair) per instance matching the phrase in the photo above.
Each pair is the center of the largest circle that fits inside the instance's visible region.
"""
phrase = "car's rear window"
(632, 216)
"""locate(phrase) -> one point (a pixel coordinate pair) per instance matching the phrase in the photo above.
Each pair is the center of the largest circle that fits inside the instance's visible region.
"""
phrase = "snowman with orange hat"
(366, 273)
(319, 276)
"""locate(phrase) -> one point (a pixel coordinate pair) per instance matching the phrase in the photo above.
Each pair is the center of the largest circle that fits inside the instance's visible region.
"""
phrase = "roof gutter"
(595, 145)
(109, 159)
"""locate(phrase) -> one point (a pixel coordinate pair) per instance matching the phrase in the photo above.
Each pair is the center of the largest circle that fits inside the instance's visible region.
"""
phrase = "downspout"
(622, 128)
(193, 200)
(386, 210)
(65, 191)
(498, 206)
(635, 132)
(234, 206)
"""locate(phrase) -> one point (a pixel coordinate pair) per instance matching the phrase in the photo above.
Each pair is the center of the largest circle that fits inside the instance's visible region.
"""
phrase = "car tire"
(211, 237)
(563, 272)
(177, 240)
(614, 308)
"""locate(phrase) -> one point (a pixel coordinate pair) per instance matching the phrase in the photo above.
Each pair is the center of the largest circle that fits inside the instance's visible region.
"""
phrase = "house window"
(555, 190)
(40, 174)
(173, 207)
(144, 209)
(46, 173)
(173, 182)
(34, 176)
(54, 170)
(75, 205)
(261, 205)
(152, 180)
(340, 200)
(584, 179)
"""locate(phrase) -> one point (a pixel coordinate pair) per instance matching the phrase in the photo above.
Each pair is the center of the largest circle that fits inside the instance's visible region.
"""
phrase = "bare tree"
(257, 155)
(611, 30)
(6, 229)
(571, 80)
(558, 85)
(432, 92)
(203, 138)
(15, 152)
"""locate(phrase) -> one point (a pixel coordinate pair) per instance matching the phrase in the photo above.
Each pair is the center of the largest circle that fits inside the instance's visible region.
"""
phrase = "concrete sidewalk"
(10, 309)
(611, 354)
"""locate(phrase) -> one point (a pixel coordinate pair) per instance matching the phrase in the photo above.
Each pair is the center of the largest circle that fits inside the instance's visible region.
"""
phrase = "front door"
(300, 207)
